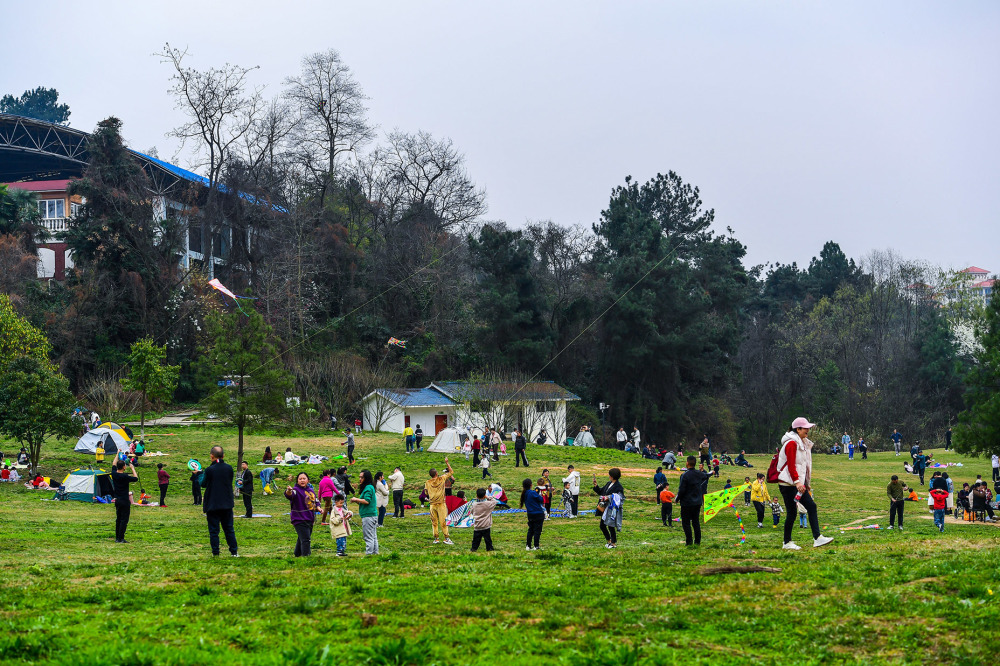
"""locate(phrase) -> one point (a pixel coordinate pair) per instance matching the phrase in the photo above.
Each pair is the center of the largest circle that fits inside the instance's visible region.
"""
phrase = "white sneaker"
(791, 546)
(760, 524)
(449, 542)
(822, 541)
(527, 547)
(436, 541)
(890, 527)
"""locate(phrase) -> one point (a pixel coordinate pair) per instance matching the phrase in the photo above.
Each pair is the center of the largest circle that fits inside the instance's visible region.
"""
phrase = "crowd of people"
(336, 502)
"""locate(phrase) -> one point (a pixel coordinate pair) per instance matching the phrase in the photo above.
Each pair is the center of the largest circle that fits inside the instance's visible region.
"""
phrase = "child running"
(532, 502)
(482, 520)
(485, 464)
(667, 505)
(340, 527)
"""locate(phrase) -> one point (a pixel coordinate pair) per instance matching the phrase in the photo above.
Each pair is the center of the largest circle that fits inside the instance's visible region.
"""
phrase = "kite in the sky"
(397, 342)
(218, 286)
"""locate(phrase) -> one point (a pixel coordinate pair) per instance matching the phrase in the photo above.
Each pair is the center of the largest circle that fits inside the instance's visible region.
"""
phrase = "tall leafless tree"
(331, 115)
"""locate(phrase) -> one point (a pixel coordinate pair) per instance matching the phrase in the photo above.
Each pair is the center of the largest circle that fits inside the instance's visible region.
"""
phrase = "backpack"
(773, 470)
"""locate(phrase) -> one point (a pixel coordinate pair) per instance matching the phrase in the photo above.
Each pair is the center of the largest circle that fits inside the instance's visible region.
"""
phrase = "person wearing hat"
(794, 479)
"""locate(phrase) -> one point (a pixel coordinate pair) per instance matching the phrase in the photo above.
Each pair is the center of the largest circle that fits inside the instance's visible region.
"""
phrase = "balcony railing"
(56, 224)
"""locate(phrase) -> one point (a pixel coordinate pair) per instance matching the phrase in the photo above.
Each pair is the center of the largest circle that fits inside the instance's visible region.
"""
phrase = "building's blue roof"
(539, 390)
(201, 180)
(425, 397)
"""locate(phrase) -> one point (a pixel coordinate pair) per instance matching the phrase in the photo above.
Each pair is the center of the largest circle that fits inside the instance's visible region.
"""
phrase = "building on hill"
(532, 407)
(45, 158)
(969, 285)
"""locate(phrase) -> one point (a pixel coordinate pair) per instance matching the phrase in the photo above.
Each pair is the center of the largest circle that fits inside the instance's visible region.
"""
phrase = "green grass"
(72, 596)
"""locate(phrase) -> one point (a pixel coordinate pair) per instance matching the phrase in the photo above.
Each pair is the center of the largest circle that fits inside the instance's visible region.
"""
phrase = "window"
(545, 406)
(406, 419)
(52, 208)
(74, 209)
(194, 238)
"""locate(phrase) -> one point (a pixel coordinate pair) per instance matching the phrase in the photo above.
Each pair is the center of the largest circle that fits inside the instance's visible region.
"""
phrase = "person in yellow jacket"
(99, 452)
(408, 437)
(760, 497)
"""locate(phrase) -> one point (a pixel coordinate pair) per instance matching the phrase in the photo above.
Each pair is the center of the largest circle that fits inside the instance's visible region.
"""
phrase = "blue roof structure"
(425, 397)
(544, 390)
(201, 180)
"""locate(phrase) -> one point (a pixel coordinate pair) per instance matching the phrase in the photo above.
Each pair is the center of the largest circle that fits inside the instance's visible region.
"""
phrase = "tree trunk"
(142, 418)
(239, 451)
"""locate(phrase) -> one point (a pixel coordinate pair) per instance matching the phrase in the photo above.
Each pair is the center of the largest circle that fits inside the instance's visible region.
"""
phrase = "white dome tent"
(447, 441)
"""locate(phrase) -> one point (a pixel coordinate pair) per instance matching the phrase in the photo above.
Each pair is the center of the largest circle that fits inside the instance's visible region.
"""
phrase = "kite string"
(597, 319)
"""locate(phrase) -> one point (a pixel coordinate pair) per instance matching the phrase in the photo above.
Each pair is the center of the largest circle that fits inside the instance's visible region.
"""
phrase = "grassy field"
(73, 596)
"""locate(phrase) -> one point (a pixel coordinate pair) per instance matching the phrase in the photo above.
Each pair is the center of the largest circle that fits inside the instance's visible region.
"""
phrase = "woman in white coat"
(794, 479)
(381, 496)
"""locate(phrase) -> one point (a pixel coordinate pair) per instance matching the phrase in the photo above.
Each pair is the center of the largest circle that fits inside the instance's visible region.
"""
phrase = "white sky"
(872, 124)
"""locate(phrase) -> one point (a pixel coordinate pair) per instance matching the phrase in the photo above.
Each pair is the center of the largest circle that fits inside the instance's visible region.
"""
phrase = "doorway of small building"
(440, 422)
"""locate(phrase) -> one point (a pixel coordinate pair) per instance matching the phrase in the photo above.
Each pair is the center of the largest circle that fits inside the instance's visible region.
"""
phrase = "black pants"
(535, 522)
(864, 453)
(163, 494)
(447, 492)
(921, 473)
(482, 535)
(996, 473)
(791, 511)
(519, 456)
(416, 442)
(196, 493)
(221, 518)
(397, 504)
(487, 472)
(248, 503)
(667, 513)
(350, 454)
(691, 521)
(475, 457)
(303, 545)
(122, 512)
(896, 509)
(381, 515)
(759, 507)
(496, 453)
(576, 505)
(610, 534)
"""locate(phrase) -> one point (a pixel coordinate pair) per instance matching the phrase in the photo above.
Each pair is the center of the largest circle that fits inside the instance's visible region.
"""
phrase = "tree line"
(347, 236)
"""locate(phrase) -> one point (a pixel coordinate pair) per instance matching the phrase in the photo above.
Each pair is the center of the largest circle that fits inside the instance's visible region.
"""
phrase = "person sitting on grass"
(741, 460)
(497, 491)
(911, 495)
(268, 456)
(454, 501)
(482, 520)
(534, 506)
(340, 526)
(291, 457)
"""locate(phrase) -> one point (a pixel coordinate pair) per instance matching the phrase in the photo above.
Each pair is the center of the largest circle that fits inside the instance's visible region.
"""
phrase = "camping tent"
(112, 440)
(84, 484)
(584, 439)
(447, 441)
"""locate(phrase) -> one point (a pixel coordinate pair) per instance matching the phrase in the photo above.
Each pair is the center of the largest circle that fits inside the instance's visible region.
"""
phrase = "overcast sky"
(872, 124)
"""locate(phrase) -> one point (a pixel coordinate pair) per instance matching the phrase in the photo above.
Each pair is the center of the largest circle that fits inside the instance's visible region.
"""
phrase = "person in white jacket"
(573, 479)
(794, 481)
(381, 496)
(396, 479)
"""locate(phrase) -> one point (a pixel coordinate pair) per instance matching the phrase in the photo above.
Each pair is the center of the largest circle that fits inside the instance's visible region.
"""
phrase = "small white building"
(532, 407)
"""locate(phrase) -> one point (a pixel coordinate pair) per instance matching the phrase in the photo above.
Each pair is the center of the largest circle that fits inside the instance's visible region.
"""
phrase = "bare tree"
(433, 175)
(331, 114)
(220, 106)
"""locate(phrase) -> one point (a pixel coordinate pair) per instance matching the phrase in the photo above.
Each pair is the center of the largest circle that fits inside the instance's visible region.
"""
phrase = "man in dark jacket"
(519, 445)
(246, 488)
(123, 506)
(691, 496)
(218, 502)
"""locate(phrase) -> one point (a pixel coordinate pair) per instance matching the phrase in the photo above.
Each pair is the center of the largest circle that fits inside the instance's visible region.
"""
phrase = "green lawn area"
(73, 596)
